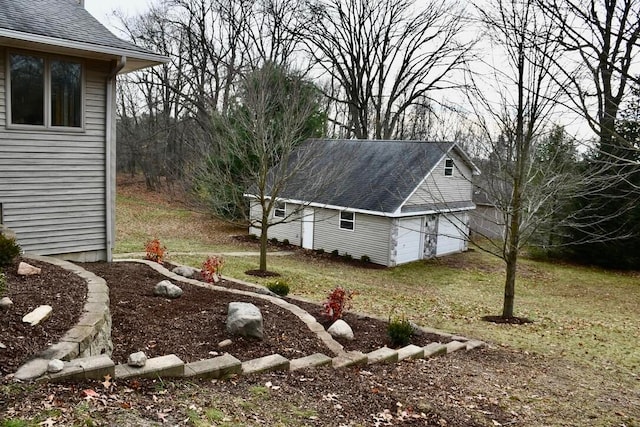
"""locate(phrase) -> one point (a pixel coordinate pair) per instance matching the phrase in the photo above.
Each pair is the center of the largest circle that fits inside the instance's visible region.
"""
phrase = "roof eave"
(136, 60)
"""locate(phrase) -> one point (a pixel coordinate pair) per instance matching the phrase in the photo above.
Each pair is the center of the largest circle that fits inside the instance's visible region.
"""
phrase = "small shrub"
(211, 269)
(347, 256)
(279, 286)
(273, 240)
(335, 252)
(285, 242)
(253, 236)
(319, 251)
(9, 250)
(3, 283)
(338, 302)
(399, 330)
(365, 258)
(155, 251)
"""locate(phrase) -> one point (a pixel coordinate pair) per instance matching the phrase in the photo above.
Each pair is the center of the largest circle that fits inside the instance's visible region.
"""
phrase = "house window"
(280, 210)
(347, 220)
(448, 167)
(45, 92)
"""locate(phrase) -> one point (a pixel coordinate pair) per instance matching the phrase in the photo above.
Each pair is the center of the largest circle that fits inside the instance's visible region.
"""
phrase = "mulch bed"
(191, 326)
(63, 291)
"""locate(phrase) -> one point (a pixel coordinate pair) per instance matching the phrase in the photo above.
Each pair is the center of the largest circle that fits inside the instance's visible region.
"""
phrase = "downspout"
(110, 148)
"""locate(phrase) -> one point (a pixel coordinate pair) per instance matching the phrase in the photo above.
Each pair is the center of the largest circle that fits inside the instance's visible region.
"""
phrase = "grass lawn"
(586, 314)
(585, 320)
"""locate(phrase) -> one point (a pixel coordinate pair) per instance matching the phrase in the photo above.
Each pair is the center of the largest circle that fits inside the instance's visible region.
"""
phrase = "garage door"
(409, 240)
(452, 234)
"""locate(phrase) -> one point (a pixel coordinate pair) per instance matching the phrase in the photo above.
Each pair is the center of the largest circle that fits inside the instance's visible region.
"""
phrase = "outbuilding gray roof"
(64, 20)
(372, 175)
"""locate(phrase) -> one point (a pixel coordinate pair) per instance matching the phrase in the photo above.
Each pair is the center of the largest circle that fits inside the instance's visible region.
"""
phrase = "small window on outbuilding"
(448, 167)
(347, 220)
(280, 210)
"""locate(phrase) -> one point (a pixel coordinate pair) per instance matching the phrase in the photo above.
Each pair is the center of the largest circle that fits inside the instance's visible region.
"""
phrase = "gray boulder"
(138, 359)
(341, 329)
(167, 289)
(6, 303)
(55, 365)
(244, 319)
(185, 271)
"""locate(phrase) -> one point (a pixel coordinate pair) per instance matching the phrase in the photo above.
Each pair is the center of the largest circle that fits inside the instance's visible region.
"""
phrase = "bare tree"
(386, 56)
(513, 108)
(276, 111)
(600, 40)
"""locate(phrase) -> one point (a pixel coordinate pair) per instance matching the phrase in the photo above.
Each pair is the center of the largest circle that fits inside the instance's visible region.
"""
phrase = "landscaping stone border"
(92, 334)
(86, 347)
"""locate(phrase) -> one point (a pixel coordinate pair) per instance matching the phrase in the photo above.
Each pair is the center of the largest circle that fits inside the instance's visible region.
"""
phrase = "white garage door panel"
(409, 240)
(451, 235)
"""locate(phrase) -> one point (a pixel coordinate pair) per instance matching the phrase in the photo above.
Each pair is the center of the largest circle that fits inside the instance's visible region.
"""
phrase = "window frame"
(47, 96)
(448, 170)
(280, 206)
(351, 221)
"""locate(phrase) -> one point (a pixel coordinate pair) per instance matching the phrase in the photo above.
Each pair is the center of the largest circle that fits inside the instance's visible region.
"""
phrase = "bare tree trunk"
(264, 239)
(510, 285)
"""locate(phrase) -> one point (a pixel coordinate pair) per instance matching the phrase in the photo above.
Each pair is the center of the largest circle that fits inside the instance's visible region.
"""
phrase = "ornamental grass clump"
(156, 252)
(400, 330)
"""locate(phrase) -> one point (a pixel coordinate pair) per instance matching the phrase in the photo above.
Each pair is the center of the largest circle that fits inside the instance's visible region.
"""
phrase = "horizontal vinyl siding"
(52, 184)
(290, 230)
(438, 188)
(370, 236)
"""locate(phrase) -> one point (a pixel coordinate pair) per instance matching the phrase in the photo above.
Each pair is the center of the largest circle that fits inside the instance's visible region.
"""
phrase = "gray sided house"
(58, 68)
(392, 201)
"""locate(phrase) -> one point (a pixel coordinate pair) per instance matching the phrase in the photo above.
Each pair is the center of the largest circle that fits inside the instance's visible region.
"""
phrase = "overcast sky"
(102, 9)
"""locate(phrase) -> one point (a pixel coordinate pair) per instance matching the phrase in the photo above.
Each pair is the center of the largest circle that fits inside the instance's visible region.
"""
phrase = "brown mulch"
(63, 291)
(191, 326)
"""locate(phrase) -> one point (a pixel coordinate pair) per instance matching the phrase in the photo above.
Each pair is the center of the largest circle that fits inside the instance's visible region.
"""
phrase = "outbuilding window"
(448, 167)
(347, 220)
(44, 92)
(280, 210)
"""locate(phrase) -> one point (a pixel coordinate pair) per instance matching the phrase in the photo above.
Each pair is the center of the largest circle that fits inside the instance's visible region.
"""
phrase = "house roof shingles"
(61, 19)
(363, 174)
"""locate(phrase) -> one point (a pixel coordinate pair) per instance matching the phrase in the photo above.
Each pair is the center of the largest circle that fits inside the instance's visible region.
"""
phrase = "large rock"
(38, 315)
(341, 329)
(167, 289)
(185, 271)
(244, 319)
(25, 269)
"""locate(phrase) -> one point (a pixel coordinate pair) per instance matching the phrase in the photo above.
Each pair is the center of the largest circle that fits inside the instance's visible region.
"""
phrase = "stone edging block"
(163, 366)
(274, 362)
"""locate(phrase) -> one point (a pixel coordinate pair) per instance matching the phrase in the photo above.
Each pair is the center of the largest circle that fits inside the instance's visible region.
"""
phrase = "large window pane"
(27, 90)
(66, 94)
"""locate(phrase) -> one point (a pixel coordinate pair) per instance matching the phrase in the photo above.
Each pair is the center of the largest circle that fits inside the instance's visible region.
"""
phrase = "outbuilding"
(392, 202)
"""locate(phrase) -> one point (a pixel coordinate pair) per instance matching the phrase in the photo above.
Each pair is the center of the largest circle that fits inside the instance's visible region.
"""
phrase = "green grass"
(585, 314)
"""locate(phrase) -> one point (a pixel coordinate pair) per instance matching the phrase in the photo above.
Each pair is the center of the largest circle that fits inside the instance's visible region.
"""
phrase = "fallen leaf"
(107, 381)
(89, 393)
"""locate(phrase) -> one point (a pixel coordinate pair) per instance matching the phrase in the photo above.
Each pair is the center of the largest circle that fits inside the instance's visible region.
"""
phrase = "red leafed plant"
(338, 302)
(155, 251)
(211, 269)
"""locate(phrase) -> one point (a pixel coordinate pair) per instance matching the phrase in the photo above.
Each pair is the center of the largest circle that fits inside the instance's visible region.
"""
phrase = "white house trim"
(89, 50)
